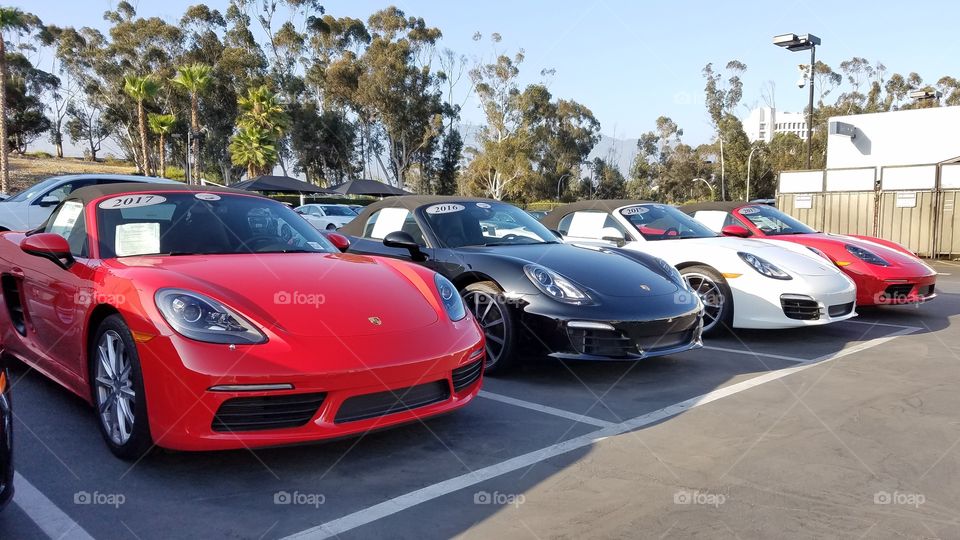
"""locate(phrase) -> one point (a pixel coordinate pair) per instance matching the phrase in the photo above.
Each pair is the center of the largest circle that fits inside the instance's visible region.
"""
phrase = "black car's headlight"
(866, 255)
(674, 274)
(202, 318)
(452, 302)
(763, 266)
(555, 286)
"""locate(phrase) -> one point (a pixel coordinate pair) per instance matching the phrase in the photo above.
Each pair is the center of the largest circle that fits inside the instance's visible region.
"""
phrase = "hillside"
(26, 171)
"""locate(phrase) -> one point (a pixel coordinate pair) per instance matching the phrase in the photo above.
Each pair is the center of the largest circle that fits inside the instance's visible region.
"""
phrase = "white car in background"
(742, 283)
(327, 217)
(31, 207)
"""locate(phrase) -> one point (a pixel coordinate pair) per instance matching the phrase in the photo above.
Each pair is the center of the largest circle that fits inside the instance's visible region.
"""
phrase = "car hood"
(602, 271)
(794, 261)
(838, 241)
(309, 294)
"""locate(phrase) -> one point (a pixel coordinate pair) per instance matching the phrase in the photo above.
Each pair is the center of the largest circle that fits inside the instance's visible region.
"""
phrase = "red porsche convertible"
(885, 272)
(217, 319)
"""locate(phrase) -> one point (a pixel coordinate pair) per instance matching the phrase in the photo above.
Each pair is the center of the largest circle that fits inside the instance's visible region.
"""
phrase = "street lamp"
(709, 185)
(793, 43)
(749, 158)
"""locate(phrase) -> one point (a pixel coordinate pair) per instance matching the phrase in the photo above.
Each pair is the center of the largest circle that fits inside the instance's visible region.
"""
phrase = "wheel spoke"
(105, 362)
(106, 403)
(493, 323)
(495, 339)
(489, 307)
(105, 382)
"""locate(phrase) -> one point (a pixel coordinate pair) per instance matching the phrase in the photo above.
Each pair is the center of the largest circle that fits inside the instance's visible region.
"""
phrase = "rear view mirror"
(403, 240)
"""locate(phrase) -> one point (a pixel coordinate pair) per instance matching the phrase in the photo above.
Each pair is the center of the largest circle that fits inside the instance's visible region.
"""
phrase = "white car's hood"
(792, 261)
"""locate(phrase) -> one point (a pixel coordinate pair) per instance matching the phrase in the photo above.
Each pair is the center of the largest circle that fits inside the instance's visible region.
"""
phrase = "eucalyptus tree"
(12, 22)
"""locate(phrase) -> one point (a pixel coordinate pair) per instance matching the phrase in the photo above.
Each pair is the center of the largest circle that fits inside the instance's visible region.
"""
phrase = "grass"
(27, 171)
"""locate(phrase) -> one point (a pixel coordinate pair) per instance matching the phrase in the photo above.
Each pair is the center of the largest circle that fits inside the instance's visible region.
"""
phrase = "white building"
(763, 122)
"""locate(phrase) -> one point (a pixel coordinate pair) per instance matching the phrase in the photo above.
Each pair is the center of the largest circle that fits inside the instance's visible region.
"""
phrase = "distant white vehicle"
(327, 217)
(31, 207)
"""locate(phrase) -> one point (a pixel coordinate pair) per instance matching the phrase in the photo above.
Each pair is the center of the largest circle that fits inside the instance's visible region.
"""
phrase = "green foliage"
(253, 148)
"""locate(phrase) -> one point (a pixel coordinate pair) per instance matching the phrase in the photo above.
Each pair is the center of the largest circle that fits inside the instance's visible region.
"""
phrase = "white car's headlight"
(554, 285)
(452, 302)
(763, 266)
(202, 318)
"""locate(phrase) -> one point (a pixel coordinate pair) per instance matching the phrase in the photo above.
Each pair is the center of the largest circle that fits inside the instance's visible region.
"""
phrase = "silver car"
(31, 207)
(327, 216)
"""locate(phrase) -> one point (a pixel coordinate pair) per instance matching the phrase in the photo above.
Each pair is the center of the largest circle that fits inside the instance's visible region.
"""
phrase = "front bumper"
(894, 290)
(351, 388)
(764, 303)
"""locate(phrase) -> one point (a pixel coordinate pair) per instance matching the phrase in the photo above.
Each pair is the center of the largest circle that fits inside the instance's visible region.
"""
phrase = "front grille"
(894, 292)
(464, 376)
(800, 308)
(267, 412)
(595, 342)
(392, 401)
(840, 310)
(926, 291)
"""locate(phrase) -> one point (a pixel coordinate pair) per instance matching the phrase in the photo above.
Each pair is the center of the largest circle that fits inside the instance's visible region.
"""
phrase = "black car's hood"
(602, 271)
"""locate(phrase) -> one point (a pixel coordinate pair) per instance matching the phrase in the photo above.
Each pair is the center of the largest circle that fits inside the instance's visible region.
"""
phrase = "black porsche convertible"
(528, 289)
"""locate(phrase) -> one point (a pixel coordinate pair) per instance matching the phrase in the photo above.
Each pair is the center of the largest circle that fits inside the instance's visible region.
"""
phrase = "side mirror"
(49, 246)
(612, 234)
(340, 241)
(49, 200)
(299, 211)
(403, 240)
(735, 230)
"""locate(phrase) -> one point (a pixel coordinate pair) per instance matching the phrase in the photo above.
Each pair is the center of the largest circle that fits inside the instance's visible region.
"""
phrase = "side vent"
(11, 297)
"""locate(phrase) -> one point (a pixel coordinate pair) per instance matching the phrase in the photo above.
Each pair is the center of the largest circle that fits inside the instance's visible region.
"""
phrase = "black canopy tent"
(362, 186)
(281, 184)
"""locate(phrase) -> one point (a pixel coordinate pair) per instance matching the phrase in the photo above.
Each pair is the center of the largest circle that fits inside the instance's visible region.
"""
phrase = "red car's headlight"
(204, 319)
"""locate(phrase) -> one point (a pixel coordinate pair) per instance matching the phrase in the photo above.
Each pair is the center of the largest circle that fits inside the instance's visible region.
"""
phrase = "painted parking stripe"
(754, 353)
(52, 520)
(414, 498)
(546, 409)
(891, 325)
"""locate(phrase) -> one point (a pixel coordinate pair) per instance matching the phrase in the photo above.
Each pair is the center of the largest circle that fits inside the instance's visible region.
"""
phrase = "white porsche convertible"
(742, 283)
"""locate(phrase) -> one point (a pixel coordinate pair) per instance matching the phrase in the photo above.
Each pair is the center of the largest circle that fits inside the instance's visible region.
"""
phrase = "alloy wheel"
(114, 382)
(711, 296)
(489, 313)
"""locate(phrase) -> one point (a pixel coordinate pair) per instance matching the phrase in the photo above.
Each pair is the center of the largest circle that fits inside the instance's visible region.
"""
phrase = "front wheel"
(331, 227)
(117, 385)
(715, 294)
(486, 301)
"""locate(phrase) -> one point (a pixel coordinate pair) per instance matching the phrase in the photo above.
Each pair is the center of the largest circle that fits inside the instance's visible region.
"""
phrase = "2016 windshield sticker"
(747, 210)
(131, 201)
(207, 196)
(446, 208)
(634, 210)
(482, 205)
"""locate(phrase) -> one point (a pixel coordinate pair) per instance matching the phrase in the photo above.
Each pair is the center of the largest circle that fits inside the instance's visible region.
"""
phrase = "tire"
(485, 300)
(331, 227)
(712, 289)
(118, 398)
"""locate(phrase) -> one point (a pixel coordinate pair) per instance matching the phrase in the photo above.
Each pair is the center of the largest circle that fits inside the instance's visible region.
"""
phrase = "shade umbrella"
(363, 186)
(281, 184)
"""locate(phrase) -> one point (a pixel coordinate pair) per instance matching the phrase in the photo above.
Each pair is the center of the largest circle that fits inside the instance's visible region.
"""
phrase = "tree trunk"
(144, 144)
(195, 127)
(163, 157)
(4, 162)
(59, 144)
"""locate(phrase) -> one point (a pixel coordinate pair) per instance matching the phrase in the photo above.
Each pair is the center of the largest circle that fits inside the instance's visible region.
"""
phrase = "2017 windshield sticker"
(131, 201)
(634, 210)
(747, 210)
(446, 208)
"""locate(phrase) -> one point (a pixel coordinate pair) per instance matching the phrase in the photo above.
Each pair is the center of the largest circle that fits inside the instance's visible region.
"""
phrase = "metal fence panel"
(851, 212)
(948, 237)
(807, 207)
(909, 225)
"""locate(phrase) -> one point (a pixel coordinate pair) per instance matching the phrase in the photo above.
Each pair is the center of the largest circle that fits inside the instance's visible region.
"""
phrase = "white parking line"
(869, 323)
(546, 409)
(409, 500)
(51, 520)
(754, 353)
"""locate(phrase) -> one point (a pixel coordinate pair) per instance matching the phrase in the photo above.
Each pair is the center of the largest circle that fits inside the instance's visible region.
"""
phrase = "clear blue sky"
(632, 61)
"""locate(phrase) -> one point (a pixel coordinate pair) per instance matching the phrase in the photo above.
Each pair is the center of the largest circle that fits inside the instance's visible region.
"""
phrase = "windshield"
(459, 224)
(34, 190)
(331, 210)
(202, 224)
(662, 222)
(773, 222)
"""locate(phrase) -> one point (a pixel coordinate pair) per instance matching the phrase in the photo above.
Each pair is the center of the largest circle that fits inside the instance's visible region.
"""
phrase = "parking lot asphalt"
(847, 430)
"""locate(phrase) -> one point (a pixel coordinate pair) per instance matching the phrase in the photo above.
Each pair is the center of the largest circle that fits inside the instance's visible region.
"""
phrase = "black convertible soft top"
(410, 202)
(722, 206)
(90, 193)
(552, 220)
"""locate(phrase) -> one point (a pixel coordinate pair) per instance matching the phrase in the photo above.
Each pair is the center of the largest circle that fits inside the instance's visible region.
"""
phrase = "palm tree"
(262, 108)
(16, 21)
(142, 89)
(162, 125)
(195, 78)
(253, 148)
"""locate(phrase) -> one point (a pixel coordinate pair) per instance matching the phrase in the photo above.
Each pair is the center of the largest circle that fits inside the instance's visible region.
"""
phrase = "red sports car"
(885, 272)
(215, 319)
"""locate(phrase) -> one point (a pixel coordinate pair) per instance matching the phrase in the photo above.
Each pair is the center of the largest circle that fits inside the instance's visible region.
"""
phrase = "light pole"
(709, 185)
(559, 182)
(723, 176)
(749, 157)
(793, 42)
